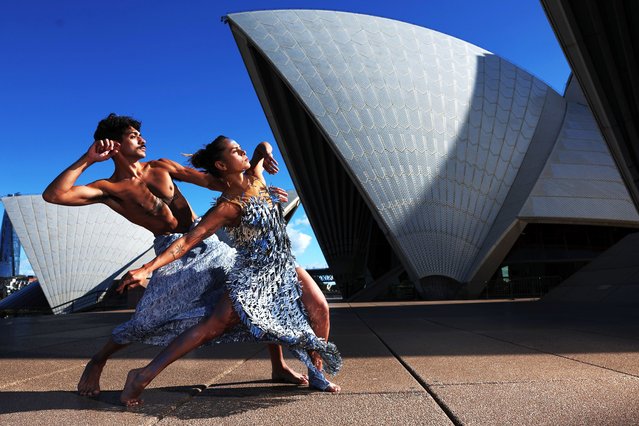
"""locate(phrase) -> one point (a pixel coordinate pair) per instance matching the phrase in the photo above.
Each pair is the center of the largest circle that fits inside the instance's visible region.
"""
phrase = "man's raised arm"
(63, 190)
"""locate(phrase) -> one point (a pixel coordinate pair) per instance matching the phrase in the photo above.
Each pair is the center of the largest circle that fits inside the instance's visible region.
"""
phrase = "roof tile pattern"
(73, 250)
(580, 180)
(433, 129)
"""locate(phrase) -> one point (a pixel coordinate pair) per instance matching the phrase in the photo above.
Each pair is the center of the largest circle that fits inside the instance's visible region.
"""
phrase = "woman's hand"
(132, 279)
(263, 159)
(270, 164)
(281, 194)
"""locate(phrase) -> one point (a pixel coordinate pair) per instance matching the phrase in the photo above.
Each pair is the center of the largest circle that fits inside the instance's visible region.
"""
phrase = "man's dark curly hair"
(114, 126)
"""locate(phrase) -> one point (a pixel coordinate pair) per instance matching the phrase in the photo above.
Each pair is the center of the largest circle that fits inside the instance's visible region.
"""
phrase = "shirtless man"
(145, 194)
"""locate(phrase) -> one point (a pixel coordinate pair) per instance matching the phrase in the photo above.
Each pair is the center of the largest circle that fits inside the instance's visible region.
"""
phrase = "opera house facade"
(421, 157)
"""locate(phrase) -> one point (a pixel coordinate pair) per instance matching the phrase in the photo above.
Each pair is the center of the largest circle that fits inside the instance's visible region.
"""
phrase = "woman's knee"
(219, 322)
(317, 306)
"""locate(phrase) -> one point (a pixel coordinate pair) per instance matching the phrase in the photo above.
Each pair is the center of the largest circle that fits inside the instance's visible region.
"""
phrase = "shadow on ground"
(220, 400)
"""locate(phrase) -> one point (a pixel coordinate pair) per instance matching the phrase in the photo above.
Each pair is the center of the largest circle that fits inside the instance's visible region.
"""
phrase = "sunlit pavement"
(513, 362)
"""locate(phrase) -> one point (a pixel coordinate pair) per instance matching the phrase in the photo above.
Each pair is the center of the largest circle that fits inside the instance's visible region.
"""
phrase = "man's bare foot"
(133, 388)
(89, 384)
(285, 374)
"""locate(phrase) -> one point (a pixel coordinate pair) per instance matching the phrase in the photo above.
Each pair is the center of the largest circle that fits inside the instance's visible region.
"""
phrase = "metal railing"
(520, 287)
(87, 300)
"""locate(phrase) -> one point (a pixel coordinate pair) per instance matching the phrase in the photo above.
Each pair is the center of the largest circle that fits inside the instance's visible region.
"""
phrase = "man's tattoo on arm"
(177, 251)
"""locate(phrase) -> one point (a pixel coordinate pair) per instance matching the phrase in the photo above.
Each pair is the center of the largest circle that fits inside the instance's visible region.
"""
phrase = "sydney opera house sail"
(76, 250)
(417, 154)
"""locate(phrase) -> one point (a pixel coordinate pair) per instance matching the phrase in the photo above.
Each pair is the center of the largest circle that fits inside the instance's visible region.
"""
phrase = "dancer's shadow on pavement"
(183, 402)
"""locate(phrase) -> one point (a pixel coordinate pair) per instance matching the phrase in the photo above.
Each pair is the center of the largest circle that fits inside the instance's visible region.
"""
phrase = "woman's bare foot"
(285, 374)
(89, 384)
(133, 388)
(317, 360)
(331, 388)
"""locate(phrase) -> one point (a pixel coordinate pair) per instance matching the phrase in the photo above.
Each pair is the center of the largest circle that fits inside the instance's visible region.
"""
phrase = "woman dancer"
(262, 299)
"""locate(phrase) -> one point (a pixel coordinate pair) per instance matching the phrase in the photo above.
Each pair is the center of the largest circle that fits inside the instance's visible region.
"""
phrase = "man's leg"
(89, 384)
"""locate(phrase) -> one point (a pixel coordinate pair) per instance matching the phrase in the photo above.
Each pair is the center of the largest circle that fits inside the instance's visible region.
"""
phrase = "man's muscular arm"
(63, 189)
(191, 175)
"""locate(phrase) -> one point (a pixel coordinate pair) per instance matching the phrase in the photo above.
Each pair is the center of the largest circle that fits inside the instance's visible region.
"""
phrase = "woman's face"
(234, 158)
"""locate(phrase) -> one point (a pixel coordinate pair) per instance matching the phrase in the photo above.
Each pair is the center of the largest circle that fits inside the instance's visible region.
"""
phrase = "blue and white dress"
(180, 294)
(263, 283)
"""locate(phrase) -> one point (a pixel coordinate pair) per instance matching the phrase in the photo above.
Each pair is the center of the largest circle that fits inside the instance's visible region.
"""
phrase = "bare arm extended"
(262, 160)
(221, 215)
(62, 190)
(191, 175)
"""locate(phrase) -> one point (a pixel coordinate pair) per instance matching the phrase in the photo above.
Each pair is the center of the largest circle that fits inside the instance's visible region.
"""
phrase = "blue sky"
(175, 66)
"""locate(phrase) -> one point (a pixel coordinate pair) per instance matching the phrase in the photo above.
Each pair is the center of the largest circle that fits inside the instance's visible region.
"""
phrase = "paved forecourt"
(509, 362)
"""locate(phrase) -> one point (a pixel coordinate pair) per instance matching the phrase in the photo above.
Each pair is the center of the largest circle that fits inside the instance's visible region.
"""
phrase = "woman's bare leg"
(317, 308)
(222, 318)
(315, 304)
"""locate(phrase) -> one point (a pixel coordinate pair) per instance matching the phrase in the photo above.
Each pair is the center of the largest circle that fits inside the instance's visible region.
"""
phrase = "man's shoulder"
(162, 163)
(159, 162)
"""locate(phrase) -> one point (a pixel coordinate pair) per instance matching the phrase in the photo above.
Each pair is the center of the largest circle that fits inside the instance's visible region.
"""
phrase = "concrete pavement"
(506, 363)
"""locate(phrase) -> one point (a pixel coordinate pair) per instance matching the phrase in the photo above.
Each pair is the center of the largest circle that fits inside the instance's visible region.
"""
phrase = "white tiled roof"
(432, 128)
(74, 250)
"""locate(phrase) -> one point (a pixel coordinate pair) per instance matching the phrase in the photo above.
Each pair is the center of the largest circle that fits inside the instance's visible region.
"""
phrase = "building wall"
(9, 249)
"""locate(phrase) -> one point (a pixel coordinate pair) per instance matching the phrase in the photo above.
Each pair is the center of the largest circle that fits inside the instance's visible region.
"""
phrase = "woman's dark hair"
(206, 157)
(114, 126)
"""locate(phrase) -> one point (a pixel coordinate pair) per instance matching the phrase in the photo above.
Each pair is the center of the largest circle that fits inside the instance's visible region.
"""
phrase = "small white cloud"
(302, 221)
(299, 240)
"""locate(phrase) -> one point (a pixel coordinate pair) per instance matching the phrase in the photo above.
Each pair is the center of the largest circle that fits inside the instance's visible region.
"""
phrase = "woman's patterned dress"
(180, 294)
(263, 284)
